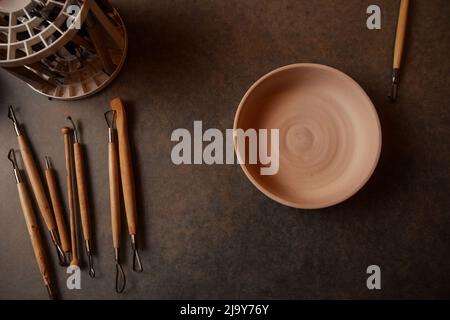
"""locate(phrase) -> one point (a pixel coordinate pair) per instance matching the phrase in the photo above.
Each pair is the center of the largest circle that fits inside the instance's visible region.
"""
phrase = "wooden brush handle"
(126, 165)
(55, 198)
(114, 192)
(36, 183)
(33, 231)
(70, 196)
(400, 35)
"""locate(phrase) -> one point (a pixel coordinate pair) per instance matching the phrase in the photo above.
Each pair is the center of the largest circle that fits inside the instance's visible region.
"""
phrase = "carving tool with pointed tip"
(32, 226)
(70, 194)
(80, 175)
(127, 177)
(57, 205)
(36, 185)
(399, 45)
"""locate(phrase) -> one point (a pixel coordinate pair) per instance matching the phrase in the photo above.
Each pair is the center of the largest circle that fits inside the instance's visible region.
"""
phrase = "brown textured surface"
(207, 232)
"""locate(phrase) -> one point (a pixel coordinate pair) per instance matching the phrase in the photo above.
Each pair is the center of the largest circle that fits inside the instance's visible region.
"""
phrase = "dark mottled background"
(207, 233)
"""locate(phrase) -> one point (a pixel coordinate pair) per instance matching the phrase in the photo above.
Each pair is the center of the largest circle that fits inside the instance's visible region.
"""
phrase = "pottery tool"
(399, 45)
(36, 185)
(57, 206)
(70, 194)
(32, 226)
(80, 174)
(114, 194)
(61, 48)
(127, 177)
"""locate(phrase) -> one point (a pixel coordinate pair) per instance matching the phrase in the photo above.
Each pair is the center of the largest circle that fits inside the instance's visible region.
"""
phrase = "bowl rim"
(371, 109)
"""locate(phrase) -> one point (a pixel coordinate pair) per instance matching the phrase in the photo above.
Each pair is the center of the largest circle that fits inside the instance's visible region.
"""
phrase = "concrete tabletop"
(206, 231)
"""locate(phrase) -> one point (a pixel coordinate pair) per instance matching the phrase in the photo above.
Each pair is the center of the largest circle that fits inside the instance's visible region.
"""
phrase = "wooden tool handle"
(400, 35)
(70, 199)
(126, 165)
(57, 209)
(36, 183)
(114, 192)
(80, 173)
(33, 231)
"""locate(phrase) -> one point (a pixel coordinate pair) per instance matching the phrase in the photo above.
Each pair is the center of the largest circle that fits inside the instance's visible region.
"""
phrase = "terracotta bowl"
(329, 134)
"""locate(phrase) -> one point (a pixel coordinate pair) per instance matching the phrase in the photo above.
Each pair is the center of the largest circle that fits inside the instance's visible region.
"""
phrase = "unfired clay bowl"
(329, 134)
